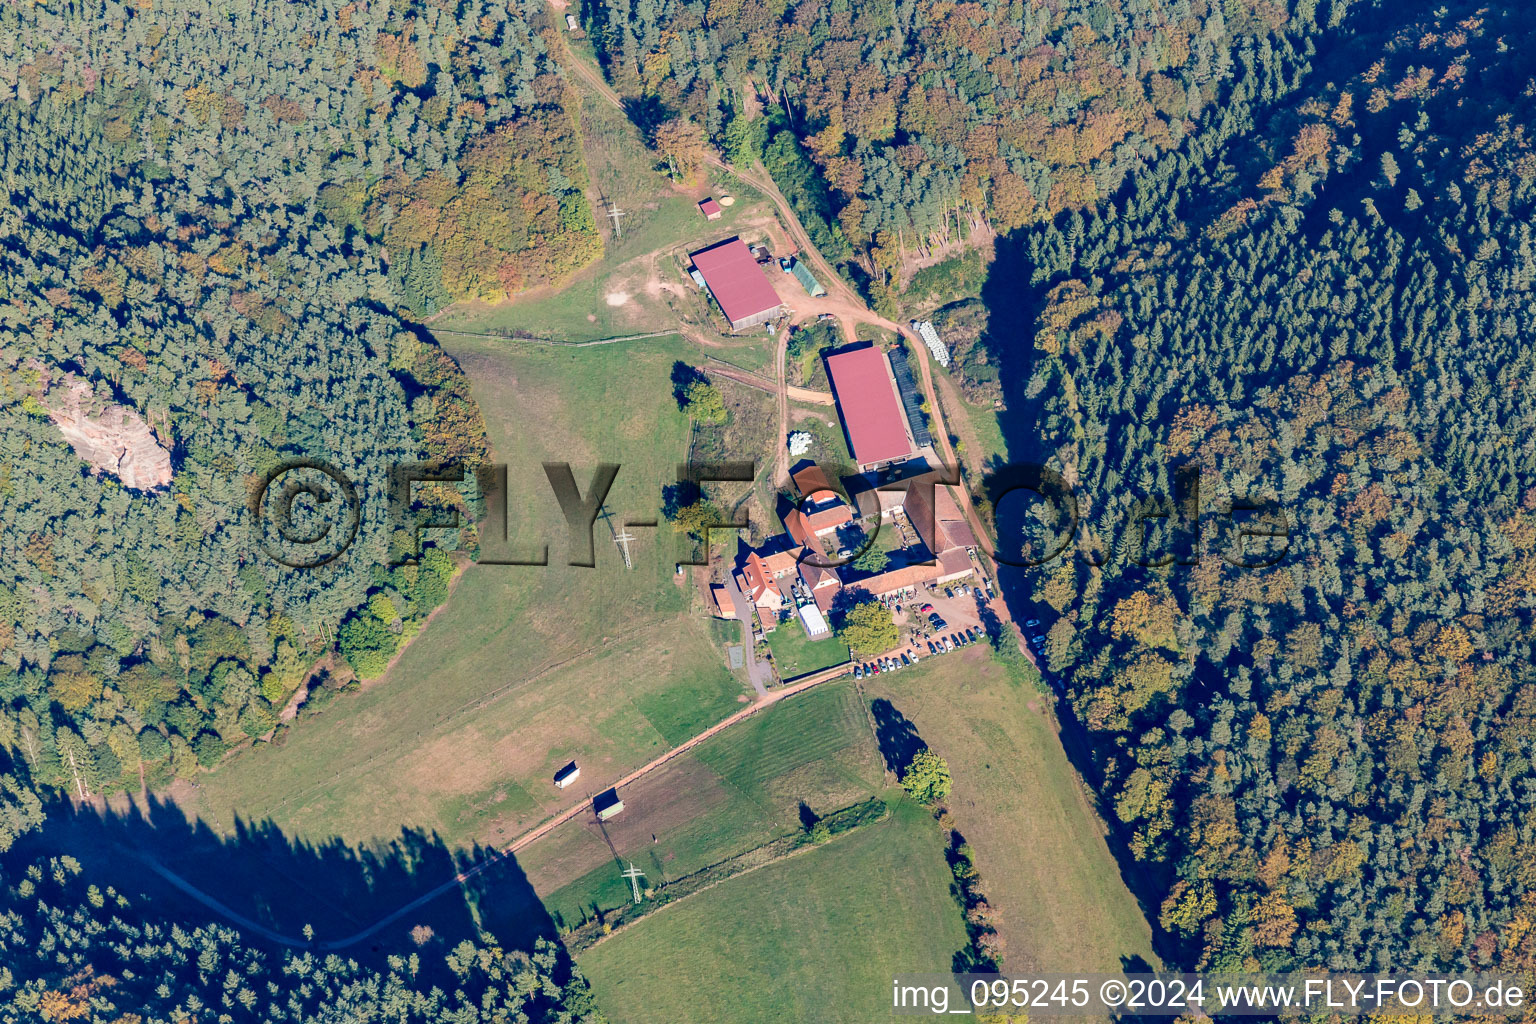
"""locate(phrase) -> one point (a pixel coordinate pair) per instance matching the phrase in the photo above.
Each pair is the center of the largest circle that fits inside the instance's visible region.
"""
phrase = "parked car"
(1039, 639)
(905, 659)
(858, 671)
(926, 609)
(875, 669)
(930, 648)
(1032, 622)
(949, 644)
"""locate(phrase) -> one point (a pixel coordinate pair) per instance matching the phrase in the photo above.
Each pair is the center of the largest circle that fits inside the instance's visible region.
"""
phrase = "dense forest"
(76, 950)
(1324, 302)
(927, 121)
(220, 220)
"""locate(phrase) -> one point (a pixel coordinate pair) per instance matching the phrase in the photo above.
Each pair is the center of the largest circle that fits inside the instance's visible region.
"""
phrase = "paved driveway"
(758, 672)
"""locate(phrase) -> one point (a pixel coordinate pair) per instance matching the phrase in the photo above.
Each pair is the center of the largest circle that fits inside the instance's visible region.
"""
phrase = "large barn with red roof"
(738, 284)
(877, 429)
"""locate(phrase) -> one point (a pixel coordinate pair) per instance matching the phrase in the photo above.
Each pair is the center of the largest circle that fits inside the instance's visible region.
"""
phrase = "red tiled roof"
(757, 577)
(953, 564)
(959, 532)
(811, 479)
(945, 505)
(779, 562)
(877, 430)
(735, 280)
(794, 522)
(952, 520)
(709, 208)
(829, 518)
(721, 604)
(825, 597)
(897, 579)
(817, 576)
(803, 525)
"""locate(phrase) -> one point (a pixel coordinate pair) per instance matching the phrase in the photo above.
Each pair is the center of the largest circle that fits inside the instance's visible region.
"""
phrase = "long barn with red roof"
(877, 429)
(738, 284)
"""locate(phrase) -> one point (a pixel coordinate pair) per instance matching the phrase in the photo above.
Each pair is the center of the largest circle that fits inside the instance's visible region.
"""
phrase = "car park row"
(942, 644)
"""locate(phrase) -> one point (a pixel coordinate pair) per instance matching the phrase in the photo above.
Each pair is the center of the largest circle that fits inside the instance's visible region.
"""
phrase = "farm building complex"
(791, 576)
(738, 284)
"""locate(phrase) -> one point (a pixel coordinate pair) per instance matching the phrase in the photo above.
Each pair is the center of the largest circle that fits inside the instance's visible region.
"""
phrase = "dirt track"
(772, 698)
(752, 380)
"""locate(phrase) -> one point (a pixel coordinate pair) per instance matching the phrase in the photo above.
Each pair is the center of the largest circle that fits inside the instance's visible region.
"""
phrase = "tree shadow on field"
(808, 817)
(896, 736)
(1136, 964)
(410, 894)
(647, 113)
(990, 623)
(685, 375)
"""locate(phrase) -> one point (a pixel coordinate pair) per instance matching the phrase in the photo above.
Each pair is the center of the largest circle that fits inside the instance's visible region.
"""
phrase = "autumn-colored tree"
(868, 627)
(681, 145)
(72, 684)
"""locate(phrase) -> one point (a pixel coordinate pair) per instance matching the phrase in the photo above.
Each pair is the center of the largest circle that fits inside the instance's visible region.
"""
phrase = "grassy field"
(1042, 857)
(978, 427)
(749, 433)
(813, 937)
(524, 668)
(820, 421)
(797, 654)
(736, 792)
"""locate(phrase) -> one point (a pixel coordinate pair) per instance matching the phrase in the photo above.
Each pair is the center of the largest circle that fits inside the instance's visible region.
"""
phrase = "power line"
(623, 539)
(614, 213)
(634, 875)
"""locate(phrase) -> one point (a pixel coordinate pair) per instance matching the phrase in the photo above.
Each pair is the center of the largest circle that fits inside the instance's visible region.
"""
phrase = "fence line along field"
(734, 793)
(525, 668)
(814, 936)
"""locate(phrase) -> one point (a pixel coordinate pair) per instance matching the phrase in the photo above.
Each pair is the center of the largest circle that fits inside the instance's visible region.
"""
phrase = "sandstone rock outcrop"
(112, 439)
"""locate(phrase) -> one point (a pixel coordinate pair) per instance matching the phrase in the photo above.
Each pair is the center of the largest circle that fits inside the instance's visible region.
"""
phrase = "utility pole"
(623, 539)
(634, 875)
(614, 213)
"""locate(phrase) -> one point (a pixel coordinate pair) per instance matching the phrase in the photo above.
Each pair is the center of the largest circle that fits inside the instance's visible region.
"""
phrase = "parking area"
(957, 612)
(936, 620)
